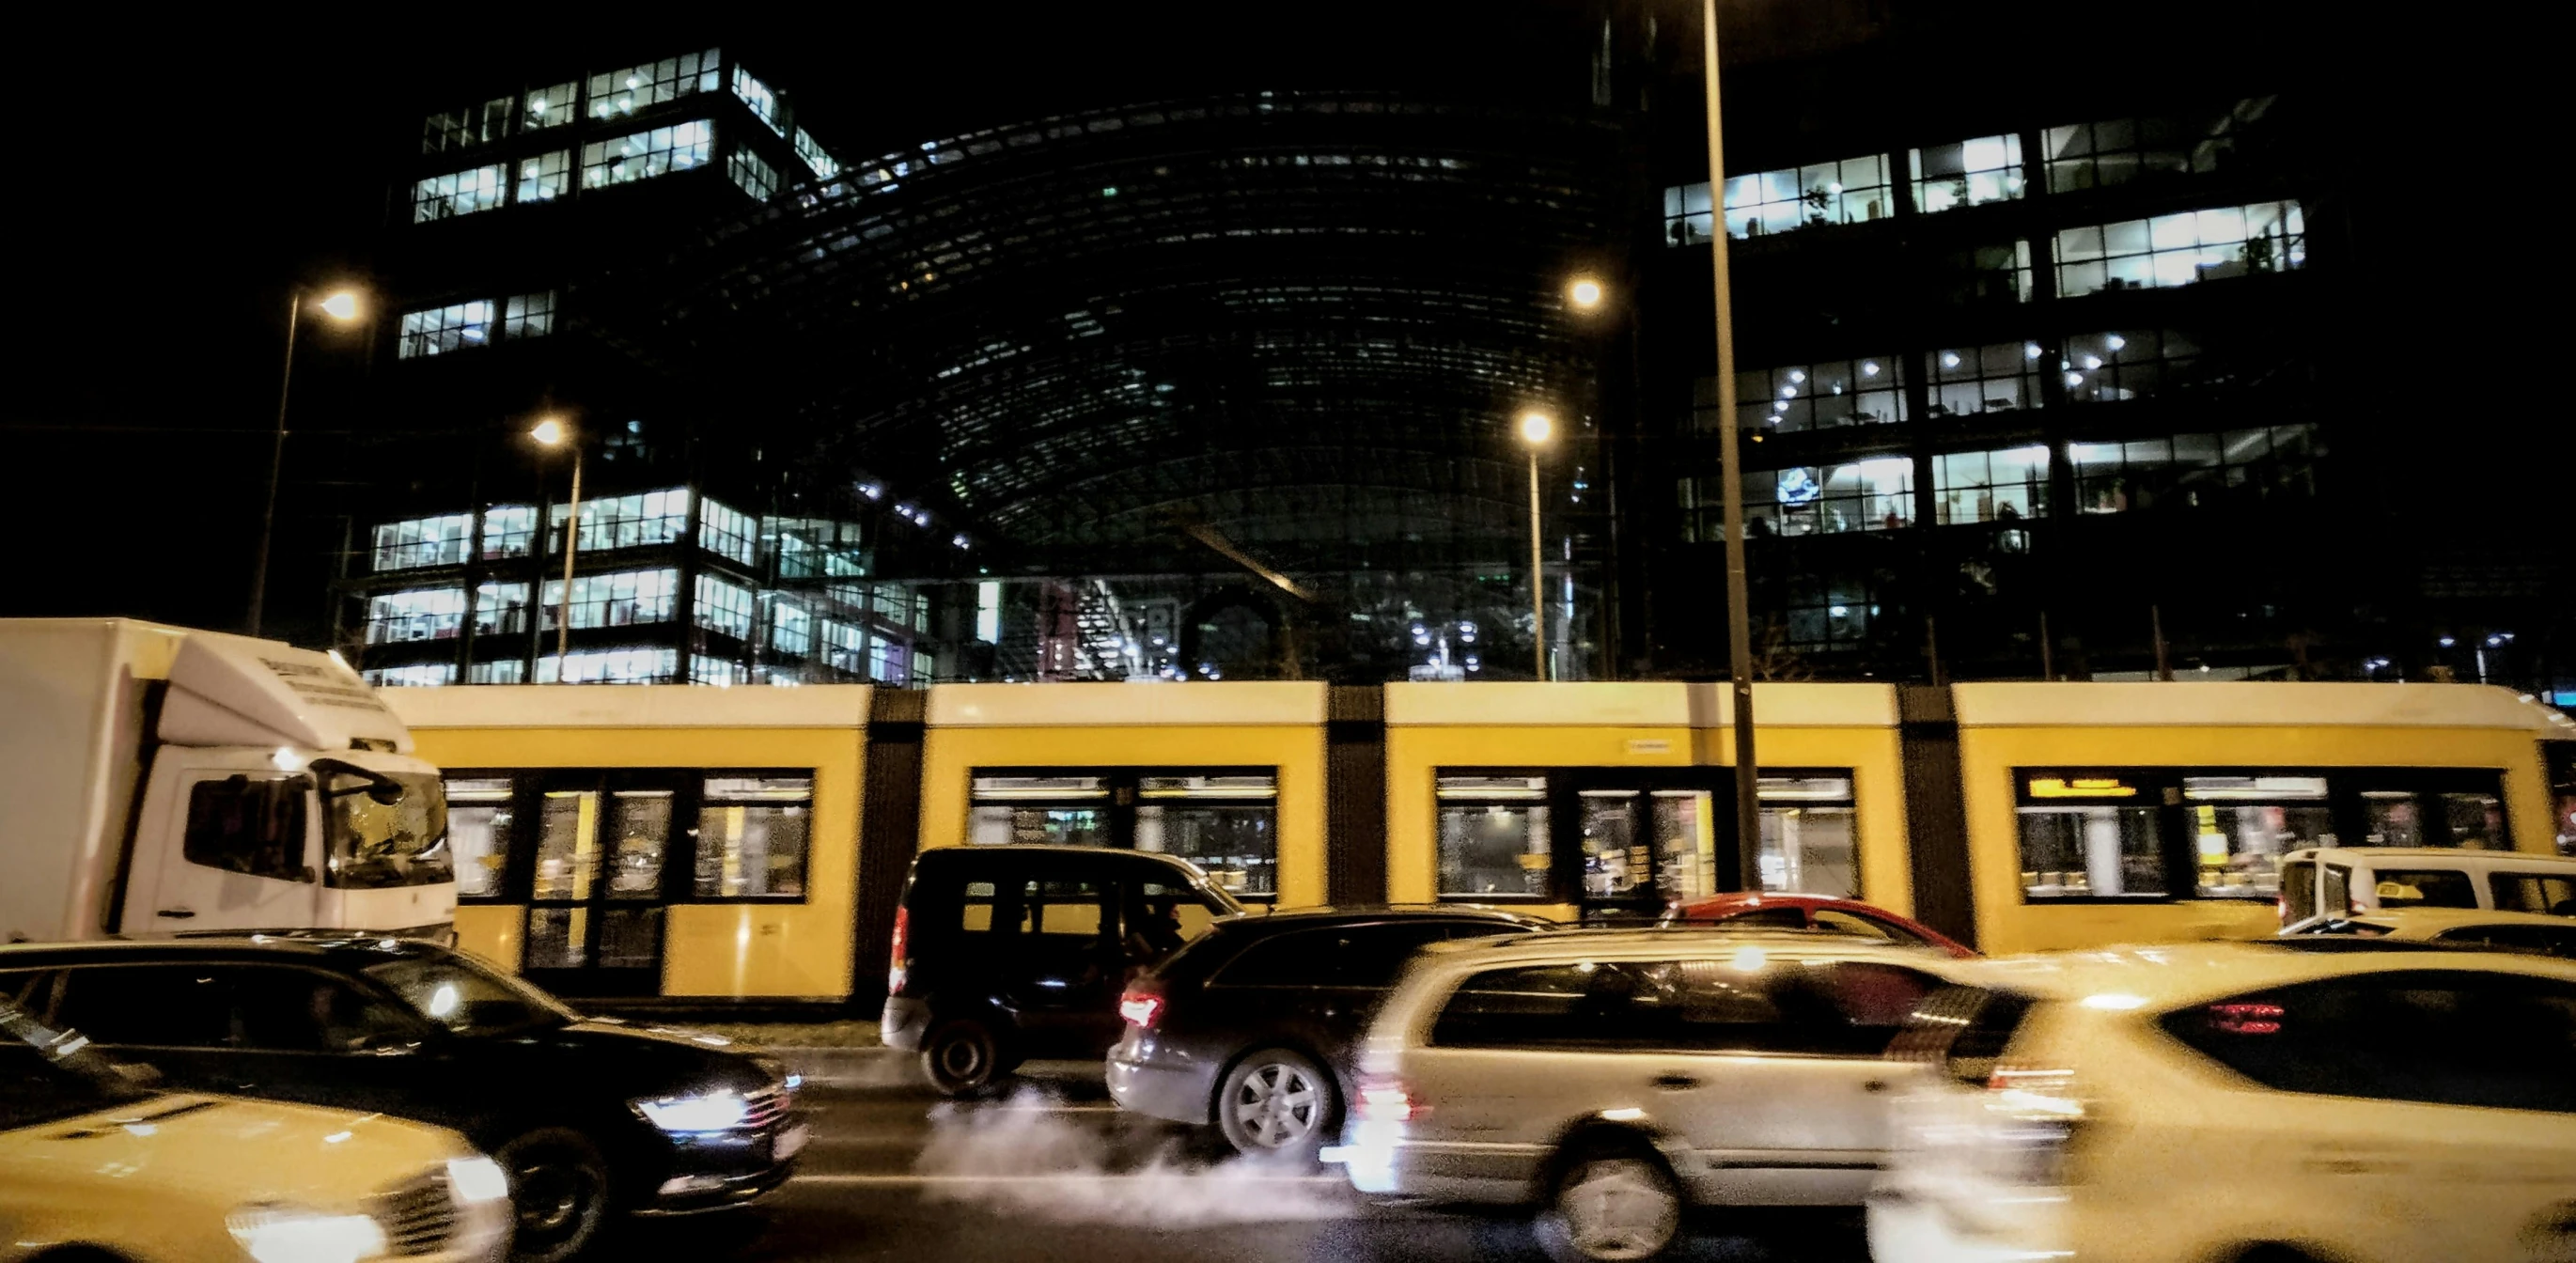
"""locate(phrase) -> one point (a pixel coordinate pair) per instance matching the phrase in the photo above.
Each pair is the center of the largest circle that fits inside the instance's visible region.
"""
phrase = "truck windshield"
(375, 845)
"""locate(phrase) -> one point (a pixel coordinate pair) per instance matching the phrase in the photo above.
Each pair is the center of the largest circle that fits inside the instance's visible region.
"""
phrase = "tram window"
(2476, 820)
(752, 836)
(1494, 840)
(2243, 824)
(1807, 836)
(1226, 824)
(2091, 852)
(2433, 807)
(1617, 856)
(478, 833)
(1065, 810)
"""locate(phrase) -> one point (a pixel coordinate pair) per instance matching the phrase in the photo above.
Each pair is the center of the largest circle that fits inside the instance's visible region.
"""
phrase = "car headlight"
(477, 1180)
(699, 1111)
(297, 1234)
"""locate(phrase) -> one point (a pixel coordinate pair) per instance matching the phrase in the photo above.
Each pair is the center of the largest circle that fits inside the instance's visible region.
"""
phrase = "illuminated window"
(500, 609)
(1872, 494)
(463, 129)
(2194, 470)
(886, 661)
(2000, 486)
(440, 330)
(709, 669)
(426, 541)
(505, 671)
(2181, 249)
(810, 152)
(2000, 377)
(816, 548)
(547, 107)
(426, 675)
(457, 193)
(925, 668)
(752, 835)
(844, 646)
(529, 315)
(679, 147)
(725, 606)
(2126, 364)
(544, 177)
(752, 175)
(1850, 191)
(611, 666)
(630, 521)
(624, 599)
(509, 530)
(1967, 173)
(729, 534)
(399, 617)
(617, 93)
(1807, 835)
(2129, 150)
(1796, 397)
(791, 628)
(764, 103)
(1494, 840)
(1823, 612)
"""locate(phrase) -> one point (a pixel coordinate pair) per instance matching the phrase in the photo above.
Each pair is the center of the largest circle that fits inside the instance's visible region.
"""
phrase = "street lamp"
(344, 306)
(1585, 293)
(1536, 426)
(552, 432)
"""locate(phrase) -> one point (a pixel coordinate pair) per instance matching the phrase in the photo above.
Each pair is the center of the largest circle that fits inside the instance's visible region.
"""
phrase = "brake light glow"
(2246, 1019)
(1388, 1101)
(1140, 1008)
(902, 963)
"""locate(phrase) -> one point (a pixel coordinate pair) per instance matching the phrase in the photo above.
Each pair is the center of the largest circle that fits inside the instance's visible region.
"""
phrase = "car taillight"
(1140, 1005)
(2036, 1116)
(1387, 1100)
(902, 964)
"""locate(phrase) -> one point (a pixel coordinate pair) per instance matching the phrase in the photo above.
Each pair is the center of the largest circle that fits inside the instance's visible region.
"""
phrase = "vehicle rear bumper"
(1179, 1093)
(905, 1022)
(1382, 1162)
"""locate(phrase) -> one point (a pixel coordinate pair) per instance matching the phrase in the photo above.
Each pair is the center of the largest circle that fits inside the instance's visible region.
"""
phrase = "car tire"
(559, 1192)
(1614, 1203)
(1277, 1103)
(962, 1057)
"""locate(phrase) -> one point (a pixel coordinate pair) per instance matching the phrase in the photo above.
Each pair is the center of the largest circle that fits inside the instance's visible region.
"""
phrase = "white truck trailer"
(156, 780)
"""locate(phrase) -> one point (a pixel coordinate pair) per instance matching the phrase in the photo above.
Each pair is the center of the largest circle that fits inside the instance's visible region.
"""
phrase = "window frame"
(1123, 798)
(687, 785)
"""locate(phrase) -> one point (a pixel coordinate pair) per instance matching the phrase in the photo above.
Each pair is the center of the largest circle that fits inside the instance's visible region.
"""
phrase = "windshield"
(467, 998)
(47, 1076)
(375, 845)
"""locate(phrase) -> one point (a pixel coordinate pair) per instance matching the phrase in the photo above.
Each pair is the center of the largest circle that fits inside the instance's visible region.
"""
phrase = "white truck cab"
(161, 780)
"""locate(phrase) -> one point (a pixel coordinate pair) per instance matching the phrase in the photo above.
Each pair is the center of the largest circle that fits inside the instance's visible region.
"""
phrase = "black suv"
(1003, 953)
(1252, 1026)
(586, 1115)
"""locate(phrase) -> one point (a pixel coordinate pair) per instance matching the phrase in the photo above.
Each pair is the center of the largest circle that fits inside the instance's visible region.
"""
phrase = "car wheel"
(961, 1056)
(559, 1189)
(1276, 1102)
(1615, 1205)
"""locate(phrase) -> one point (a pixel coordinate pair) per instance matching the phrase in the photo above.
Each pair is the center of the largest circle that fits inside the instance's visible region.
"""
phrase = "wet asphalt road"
(1057, 1172)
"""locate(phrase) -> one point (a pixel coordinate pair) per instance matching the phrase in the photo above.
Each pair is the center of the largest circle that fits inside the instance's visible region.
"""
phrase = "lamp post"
(343, 306)
(1739, 635)
(553, 433)
(1536, 426)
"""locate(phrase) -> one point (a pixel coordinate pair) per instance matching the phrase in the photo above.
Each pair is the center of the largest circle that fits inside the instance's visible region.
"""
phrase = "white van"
(2327, 883)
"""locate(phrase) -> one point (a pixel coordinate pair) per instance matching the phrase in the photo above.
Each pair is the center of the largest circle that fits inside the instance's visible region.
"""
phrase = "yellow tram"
(700, 843)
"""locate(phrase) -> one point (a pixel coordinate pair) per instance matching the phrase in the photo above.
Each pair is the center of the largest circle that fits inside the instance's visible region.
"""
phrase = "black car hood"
(663, 1059)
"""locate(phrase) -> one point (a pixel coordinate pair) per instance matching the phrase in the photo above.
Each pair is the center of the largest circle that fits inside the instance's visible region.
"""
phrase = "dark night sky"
(182, 182)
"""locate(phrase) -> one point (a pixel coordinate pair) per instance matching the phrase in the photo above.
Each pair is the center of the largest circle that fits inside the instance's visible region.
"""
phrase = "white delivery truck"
(156, 780)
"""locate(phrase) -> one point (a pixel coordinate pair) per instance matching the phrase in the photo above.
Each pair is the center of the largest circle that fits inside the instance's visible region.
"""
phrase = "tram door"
(595, 906)
(1651, 837)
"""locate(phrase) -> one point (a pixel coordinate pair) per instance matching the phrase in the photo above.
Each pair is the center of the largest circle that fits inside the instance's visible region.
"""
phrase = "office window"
(529, 315)
(1822, 611)
(844, 646)
(763, 102)
(925, 667)
(2181, 249)
(623, 599)
(752, 175)
(617, 93)
(500, 609)
(1791, 398)
(505, 671)
(2194, 470)
(466, 128)
(753, 831)
(886, 661)
(426, 675)
(2124, 364)
(815, 548)
(611, 666)
(397, 617)
(439, 330)
(1967, 173)
(709, 669)
(679, 147)
(2130, 150)
(630, 521)
(1999, 486)
(545, 177)
(1989, 274)
(791, 627)
(457, 193)
(725, 606)
(810, 152)
(1872, 494)
(551, 106)
(1999, 377)
(1850, 191)
(1494, 838)
(509, 530)
(921, 612)
(728, 533)
(2241, 826)
(424, 541)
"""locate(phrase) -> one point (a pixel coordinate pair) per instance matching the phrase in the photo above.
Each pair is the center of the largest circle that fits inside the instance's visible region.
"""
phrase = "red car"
(1814, 912)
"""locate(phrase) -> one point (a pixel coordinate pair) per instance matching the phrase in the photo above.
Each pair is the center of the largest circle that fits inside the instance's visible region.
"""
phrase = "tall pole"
(1538, 582)
(1739, 633)
(276, 466)
(572, 547)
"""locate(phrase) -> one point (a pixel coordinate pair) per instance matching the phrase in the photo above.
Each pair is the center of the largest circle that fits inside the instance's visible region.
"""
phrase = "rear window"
(2424, 888)
(1815, 1008)
(2553, 893)
(2547, 940)
(1965, 1029)
(1369, 956)
(2442, 1037)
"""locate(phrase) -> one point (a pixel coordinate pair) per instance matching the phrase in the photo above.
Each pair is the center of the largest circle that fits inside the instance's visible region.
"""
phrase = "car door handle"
(1874, 1085)
(177, 914)
(1676, 1081)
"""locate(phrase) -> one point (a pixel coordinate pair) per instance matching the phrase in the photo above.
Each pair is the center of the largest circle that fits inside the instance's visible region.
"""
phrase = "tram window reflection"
(1494, 839)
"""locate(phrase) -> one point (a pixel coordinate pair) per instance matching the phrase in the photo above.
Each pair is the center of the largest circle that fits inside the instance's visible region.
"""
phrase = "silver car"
(1612, 1078)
